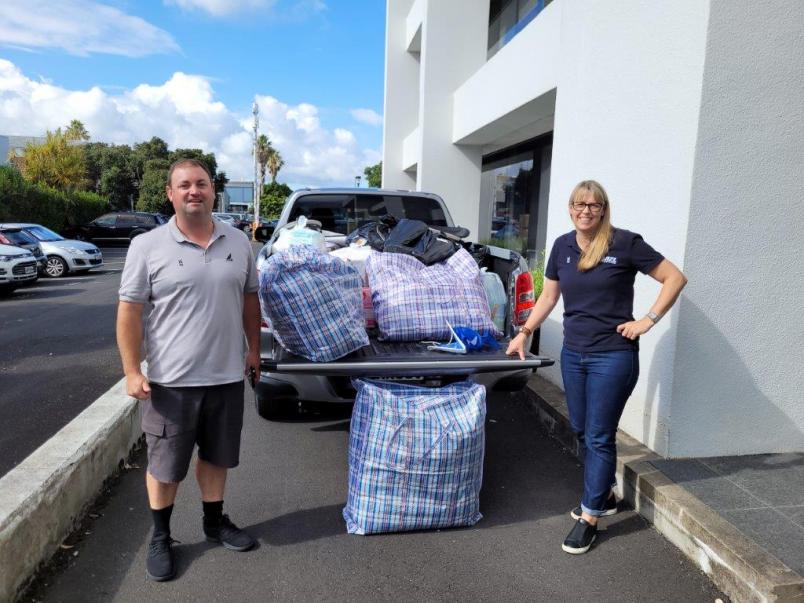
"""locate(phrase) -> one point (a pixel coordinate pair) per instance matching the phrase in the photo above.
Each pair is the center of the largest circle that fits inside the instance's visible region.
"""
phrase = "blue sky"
(188, 71)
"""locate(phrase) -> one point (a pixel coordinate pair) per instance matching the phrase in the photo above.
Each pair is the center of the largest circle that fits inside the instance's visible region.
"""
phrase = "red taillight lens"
(524, 299)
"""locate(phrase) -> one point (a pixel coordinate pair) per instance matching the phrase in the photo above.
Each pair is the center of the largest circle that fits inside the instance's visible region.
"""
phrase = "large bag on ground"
(314, 303)
(414, 302)
(415, 457)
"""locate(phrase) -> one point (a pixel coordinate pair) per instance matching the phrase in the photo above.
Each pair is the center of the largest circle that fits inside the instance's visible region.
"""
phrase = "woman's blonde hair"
(597, 249)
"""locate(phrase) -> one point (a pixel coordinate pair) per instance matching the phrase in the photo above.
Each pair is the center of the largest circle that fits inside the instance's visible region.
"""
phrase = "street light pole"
(255, 111)
(357, 181)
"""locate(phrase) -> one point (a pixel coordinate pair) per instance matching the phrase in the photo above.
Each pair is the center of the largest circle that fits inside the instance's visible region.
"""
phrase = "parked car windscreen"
(44, 234)
(342, 213)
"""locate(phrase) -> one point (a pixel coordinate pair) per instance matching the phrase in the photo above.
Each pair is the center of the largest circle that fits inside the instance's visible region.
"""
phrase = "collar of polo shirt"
(178, 235)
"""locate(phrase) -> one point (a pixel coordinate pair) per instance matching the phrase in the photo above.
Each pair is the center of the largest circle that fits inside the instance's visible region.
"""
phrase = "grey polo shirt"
(194, 331)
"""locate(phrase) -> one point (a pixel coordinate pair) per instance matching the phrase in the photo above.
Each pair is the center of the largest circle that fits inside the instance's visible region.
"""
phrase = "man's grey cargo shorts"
(177, 418)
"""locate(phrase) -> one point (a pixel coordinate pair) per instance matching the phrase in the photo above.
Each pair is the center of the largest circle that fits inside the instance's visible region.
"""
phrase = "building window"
(507, 18)
(514, 188)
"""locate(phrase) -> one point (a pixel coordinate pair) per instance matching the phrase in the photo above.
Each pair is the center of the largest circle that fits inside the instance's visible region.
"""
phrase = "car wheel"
(273, 409)
(135, 233)
(56, 266)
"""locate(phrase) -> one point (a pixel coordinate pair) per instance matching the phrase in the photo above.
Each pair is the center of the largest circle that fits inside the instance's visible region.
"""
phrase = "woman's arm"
(551, 292)
(673, 281)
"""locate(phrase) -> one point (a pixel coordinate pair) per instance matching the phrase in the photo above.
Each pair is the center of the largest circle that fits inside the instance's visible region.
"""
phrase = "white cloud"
(367, 116)
(81, 27)
(220, 8)
(184, 112)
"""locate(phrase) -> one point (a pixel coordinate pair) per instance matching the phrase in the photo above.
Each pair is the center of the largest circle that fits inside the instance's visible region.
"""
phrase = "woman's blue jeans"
(598, 385)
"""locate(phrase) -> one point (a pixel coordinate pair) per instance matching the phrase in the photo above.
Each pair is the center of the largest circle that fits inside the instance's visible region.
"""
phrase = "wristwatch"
(654, 318)
(528, 332)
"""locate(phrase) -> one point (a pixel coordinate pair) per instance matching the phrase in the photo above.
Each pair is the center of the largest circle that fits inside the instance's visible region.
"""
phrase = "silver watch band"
(654, 318)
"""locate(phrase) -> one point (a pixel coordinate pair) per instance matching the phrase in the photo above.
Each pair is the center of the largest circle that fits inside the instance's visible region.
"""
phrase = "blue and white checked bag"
(414, 302)
(415, 456)
(314, 303)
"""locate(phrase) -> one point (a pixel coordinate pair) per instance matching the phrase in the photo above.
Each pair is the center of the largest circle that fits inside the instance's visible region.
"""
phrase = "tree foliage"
(57, 163)
(272, 199)
(373, 174)
(152, 187)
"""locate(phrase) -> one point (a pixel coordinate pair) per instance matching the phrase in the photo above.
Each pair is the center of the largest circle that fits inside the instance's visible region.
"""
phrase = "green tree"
(156, 148)
(207, 159)
(76, 132)
(152, 187)
(110, 169)
(275, 163)
(373, 174)
(272, 199)
(264, 150)
(55, 163)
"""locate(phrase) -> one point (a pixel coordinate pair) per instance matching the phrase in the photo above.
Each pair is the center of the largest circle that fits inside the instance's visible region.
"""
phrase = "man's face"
(191, 192)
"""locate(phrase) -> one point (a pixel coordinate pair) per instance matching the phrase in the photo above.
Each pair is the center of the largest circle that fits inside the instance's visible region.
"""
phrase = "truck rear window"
(342, 213)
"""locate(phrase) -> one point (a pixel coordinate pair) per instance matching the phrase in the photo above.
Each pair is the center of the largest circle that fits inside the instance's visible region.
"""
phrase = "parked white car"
(63, 255)
(17, 267)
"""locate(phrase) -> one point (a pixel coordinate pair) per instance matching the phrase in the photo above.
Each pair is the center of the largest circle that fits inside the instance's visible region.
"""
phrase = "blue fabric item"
(474, 340)
(415, 457)
(414, 302)
(314, 303)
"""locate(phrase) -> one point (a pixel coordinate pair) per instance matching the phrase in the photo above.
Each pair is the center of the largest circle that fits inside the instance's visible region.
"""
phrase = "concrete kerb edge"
(736, 564)
(42, 498)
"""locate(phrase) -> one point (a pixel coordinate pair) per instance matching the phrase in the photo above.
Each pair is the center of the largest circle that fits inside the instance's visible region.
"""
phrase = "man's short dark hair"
(184, 161)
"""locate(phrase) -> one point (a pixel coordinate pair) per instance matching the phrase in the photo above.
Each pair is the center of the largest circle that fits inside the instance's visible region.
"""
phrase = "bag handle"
(445, 430)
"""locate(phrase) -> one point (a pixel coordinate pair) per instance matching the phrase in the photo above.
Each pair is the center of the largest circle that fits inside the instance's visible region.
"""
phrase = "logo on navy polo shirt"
(569, 259)
(609, 260)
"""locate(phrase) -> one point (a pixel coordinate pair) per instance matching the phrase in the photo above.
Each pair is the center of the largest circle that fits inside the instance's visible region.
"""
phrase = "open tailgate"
(398, 359)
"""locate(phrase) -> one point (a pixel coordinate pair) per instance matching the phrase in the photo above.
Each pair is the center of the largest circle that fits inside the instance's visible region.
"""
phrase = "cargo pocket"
(153, 427)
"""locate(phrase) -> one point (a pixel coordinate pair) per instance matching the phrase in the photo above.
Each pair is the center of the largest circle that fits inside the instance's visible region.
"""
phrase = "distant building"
(16, 144)
(237, 196)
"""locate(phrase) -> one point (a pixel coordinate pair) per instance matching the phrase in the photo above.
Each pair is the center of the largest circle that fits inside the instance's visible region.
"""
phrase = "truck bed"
(389, 359)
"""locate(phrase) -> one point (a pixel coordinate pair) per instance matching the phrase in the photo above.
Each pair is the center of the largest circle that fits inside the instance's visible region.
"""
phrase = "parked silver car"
(63, 255)
(19, 238)
(17, 268)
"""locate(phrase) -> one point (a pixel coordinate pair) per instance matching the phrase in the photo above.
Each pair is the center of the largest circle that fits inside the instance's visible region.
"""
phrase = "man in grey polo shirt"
(196, 276)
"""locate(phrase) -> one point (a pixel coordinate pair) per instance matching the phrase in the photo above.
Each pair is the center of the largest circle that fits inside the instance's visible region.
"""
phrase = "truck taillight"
(524, 299)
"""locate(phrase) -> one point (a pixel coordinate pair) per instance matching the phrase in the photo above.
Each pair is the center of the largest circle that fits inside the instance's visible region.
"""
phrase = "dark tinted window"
(18, 237)
(106, 220)
(344, 213)
(126, 220)
(146, 220)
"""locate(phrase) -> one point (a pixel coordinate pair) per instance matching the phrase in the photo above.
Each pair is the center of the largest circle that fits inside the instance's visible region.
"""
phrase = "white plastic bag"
(299, 234)
(495, 293)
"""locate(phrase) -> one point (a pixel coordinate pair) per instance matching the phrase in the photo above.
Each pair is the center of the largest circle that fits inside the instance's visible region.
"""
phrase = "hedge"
(22, 201)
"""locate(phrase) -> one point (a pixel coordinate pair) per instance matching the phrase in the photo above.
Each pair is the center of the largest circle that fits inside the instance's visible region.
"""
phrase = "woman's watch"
(654, 318)
(528, 332)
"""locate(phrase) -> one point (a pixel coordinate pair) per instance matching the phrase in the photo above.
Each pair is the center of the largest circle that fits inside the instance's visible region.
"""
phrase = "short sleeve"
(135, 282)
(644, 257)
(551, 268)
(252, 284)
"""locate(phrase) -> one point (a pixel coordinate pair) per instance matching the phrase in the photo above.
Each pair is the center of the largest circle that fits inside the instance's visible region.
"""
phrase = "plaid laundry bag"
(414, 302)
(314, 303)
(415, 457)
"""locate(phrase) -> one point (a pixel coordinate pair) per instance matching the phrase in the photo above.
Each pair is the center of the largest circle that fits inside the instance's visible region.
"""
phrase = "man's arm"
(129, 341)
(251, 326)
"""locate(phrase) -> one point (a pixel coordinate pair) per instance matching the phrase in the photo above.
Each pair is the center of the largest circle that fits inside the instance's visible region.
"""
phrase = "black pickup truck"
(286, 379)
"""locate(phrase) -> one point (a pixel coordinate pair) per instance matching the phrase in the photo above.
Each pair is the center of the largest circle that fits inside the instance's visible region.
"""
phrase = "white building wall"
(639, 99)
(739, 382)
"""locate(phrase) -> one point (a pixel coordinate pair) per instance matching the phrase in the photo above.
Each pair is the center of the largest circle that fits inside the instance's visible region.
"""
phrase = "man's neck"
(198, 231)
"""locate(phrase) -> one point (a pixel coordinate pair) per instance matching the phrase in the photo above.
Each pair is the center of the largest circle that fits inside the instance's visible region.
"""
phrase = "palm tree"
(275, 163)
(264, 150)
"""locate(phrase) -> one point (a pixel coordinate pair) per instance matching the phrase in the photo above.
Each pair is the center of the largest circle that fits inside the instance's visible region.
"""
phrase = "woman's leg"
(573, 374)
(610, 380)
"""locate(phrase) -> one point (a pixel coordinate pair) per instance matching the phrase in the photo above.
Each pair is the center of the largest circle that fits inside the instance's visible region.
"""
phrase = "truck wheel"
(273, 409)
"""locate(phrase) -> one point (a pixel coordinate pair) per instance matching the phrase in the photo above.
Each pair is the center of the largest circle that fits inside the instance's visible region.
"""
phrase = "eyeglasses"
(595, 208)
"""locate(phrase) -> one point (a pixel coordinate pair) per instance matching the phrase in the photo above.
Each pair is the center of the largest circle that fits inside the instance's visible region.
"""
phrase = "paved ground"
(57, 354)
(289, 492)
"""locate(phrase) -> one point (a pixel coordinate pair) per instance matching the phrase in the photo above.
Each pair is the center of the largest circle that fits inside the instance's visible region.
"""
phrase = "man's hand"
(635, 328)
(517, 346)
(137, 386)
(253, 364)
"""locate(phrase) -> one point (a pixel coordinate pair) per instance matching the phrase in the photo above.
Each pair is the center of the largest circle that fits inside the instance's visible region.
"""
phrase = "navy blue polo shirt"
(598, 300)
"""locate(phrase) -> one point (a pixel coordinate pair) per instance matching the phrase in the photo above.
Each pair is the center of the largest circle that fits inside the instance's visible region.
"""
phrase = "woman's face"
(586, 214)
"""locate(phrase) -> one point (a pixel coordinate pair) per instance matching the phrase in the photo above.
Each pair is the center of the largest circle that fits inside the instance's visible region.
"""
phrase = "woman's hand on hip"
(517, 346)
(634, 328)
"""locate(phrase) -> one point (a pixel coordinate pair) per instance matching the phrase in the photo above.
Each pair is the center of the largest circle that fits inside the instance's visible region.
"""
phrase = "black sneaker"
(609, 508)
(228, 534)
(159, 564)
(580, 538)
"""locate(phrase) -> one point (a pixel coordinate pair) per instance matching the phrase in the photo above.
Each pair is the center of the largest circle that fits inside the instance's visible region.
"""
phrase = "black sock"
(213, 511)
(161, 519)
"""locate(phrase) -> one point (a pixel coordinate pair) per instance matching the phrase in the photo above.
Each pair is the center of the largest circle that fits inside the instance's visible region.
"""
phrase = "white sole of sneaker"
(607, 513)
(579, 550)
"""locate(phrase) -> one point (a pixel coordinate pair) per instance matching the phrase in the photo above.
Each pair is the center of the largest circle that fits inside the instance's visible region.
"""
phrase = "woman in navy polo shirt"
(594, 268)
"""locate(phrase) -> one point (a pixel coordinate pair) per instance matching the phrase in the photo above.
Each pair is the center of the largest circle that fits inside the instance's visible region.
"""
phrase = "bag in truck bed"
(314, 303)
(414, 302)
(415, 457)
